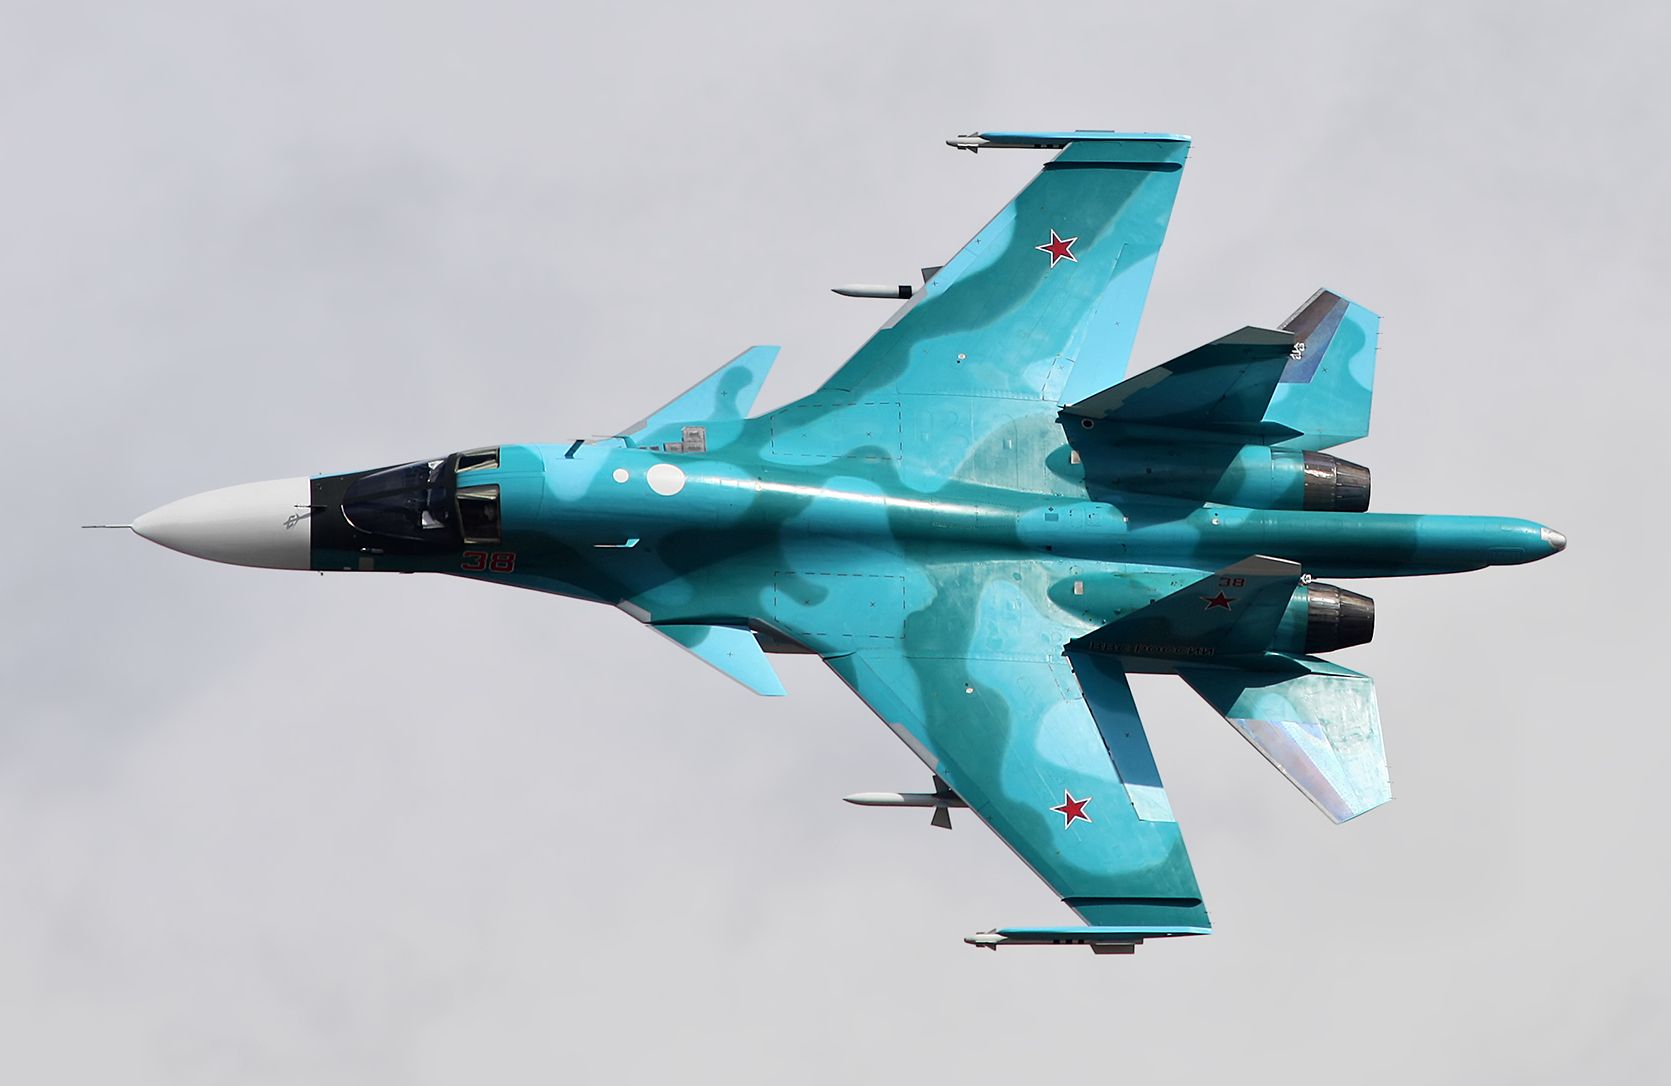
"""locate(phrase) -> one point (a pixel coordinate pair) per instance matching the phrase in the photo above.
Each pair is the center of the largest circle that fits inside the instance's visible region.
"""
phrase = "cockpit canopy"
(423, 502)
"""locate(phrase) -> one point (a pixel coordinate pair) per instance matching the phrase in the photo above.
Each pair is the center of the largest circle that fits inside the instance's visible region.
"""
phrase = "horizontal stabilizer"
(723, 396)
(1224, 386)
(1304, 386)
(730, 649)
(1317, 722)
(1232, 613)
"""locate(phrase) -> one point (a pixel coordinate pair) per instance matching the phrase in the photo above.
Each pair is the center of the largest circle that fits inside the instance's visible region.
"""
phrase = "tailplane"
(1304, 386)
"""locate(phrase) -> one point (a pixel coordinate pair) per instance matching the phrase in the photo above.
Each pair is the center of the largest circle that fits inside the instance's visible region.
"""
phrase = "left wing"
(1018, 741)
(1047, 749)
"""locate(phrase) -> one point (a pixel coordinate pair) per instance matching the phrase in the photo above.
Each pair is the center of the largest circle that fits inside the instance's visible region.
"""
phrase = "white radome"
(256, 524)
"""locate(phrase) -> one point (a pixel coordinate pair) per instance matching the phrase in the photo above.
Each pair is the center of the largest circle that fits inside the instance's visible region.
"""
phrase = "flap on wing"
(732, 650)
(1234, 612)
(1225, 385)
(1109, 695)
(1320, 727)
(723, 396)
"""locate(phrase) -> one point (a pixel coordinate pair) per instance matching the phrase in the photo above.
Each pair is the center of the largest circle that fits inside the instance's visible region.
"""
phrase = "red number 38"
(496, 562)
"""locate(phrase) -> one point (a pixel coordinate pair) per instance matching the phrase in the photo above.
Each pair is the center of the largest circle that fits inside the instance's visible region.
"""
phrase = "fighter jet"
(980, 527)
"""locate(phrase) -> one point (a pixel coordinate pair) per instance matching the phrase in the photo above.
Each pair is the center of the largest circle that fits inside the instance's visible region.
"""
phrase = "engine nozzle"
(1337, 618)
(1335, 485)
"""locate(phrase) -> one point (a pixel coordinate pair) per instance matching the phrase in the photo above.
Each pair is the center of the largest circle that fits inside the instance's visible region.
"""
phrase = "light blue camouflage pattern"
(983, 530)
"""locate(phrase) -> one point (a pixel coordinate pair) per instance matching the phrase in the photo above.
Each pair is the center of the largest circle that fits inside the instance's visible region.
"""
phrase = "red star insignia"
(1059, 248)
(1072, 809)
(1220, 600)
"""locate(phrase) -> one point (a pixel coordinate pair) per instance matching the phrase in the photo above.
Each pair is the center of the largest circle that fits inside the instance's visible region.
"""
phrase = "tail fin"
(1304, 386)
(1325, 391)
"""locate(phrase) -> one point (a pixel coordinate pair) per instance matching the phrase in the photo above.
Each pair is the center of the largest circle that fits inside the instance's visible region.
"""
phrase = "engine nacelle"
(1252, 476)
(1323, 618)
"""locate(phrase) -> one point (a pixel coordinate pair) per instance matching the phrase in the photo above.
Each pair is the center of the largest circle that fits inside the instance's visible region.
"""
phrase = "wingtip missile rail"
(1101, 940)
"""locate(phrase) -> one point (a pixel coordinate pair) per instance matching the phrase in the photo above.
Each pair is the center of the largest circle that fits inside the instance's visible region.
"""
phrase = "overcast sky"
(267, 827)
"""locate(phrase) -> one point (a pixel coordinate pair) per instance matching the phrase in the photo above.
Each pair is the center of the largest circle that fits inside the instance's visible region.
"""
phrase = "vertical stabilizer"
(1326, 388)
(1315, 721)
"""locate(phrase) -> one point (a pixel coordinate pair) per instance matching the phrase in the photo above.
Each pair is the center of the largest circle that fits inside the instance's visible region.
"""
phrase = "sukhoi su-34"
(982, 526)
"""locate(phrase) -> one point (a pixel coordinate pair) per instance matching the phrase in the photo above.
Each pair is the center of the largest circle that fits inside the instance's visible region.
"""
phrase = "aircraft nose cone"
(1557, 542)
(256, 524)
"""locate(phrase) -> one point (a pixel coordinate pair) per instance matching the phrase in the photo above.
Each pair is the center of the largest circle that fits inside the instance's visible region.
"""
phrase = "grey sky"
(269, 828)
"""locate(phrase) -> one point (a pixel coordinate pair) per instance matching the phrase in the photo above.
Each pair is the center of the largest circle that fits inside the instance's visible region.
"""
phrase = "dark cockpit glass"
(423, 504)
(412, 502)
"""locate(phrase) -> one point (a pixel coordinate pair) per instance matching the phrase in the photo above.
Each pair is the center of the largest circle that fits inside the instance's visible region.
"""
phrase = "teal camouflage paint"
(981, 528)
